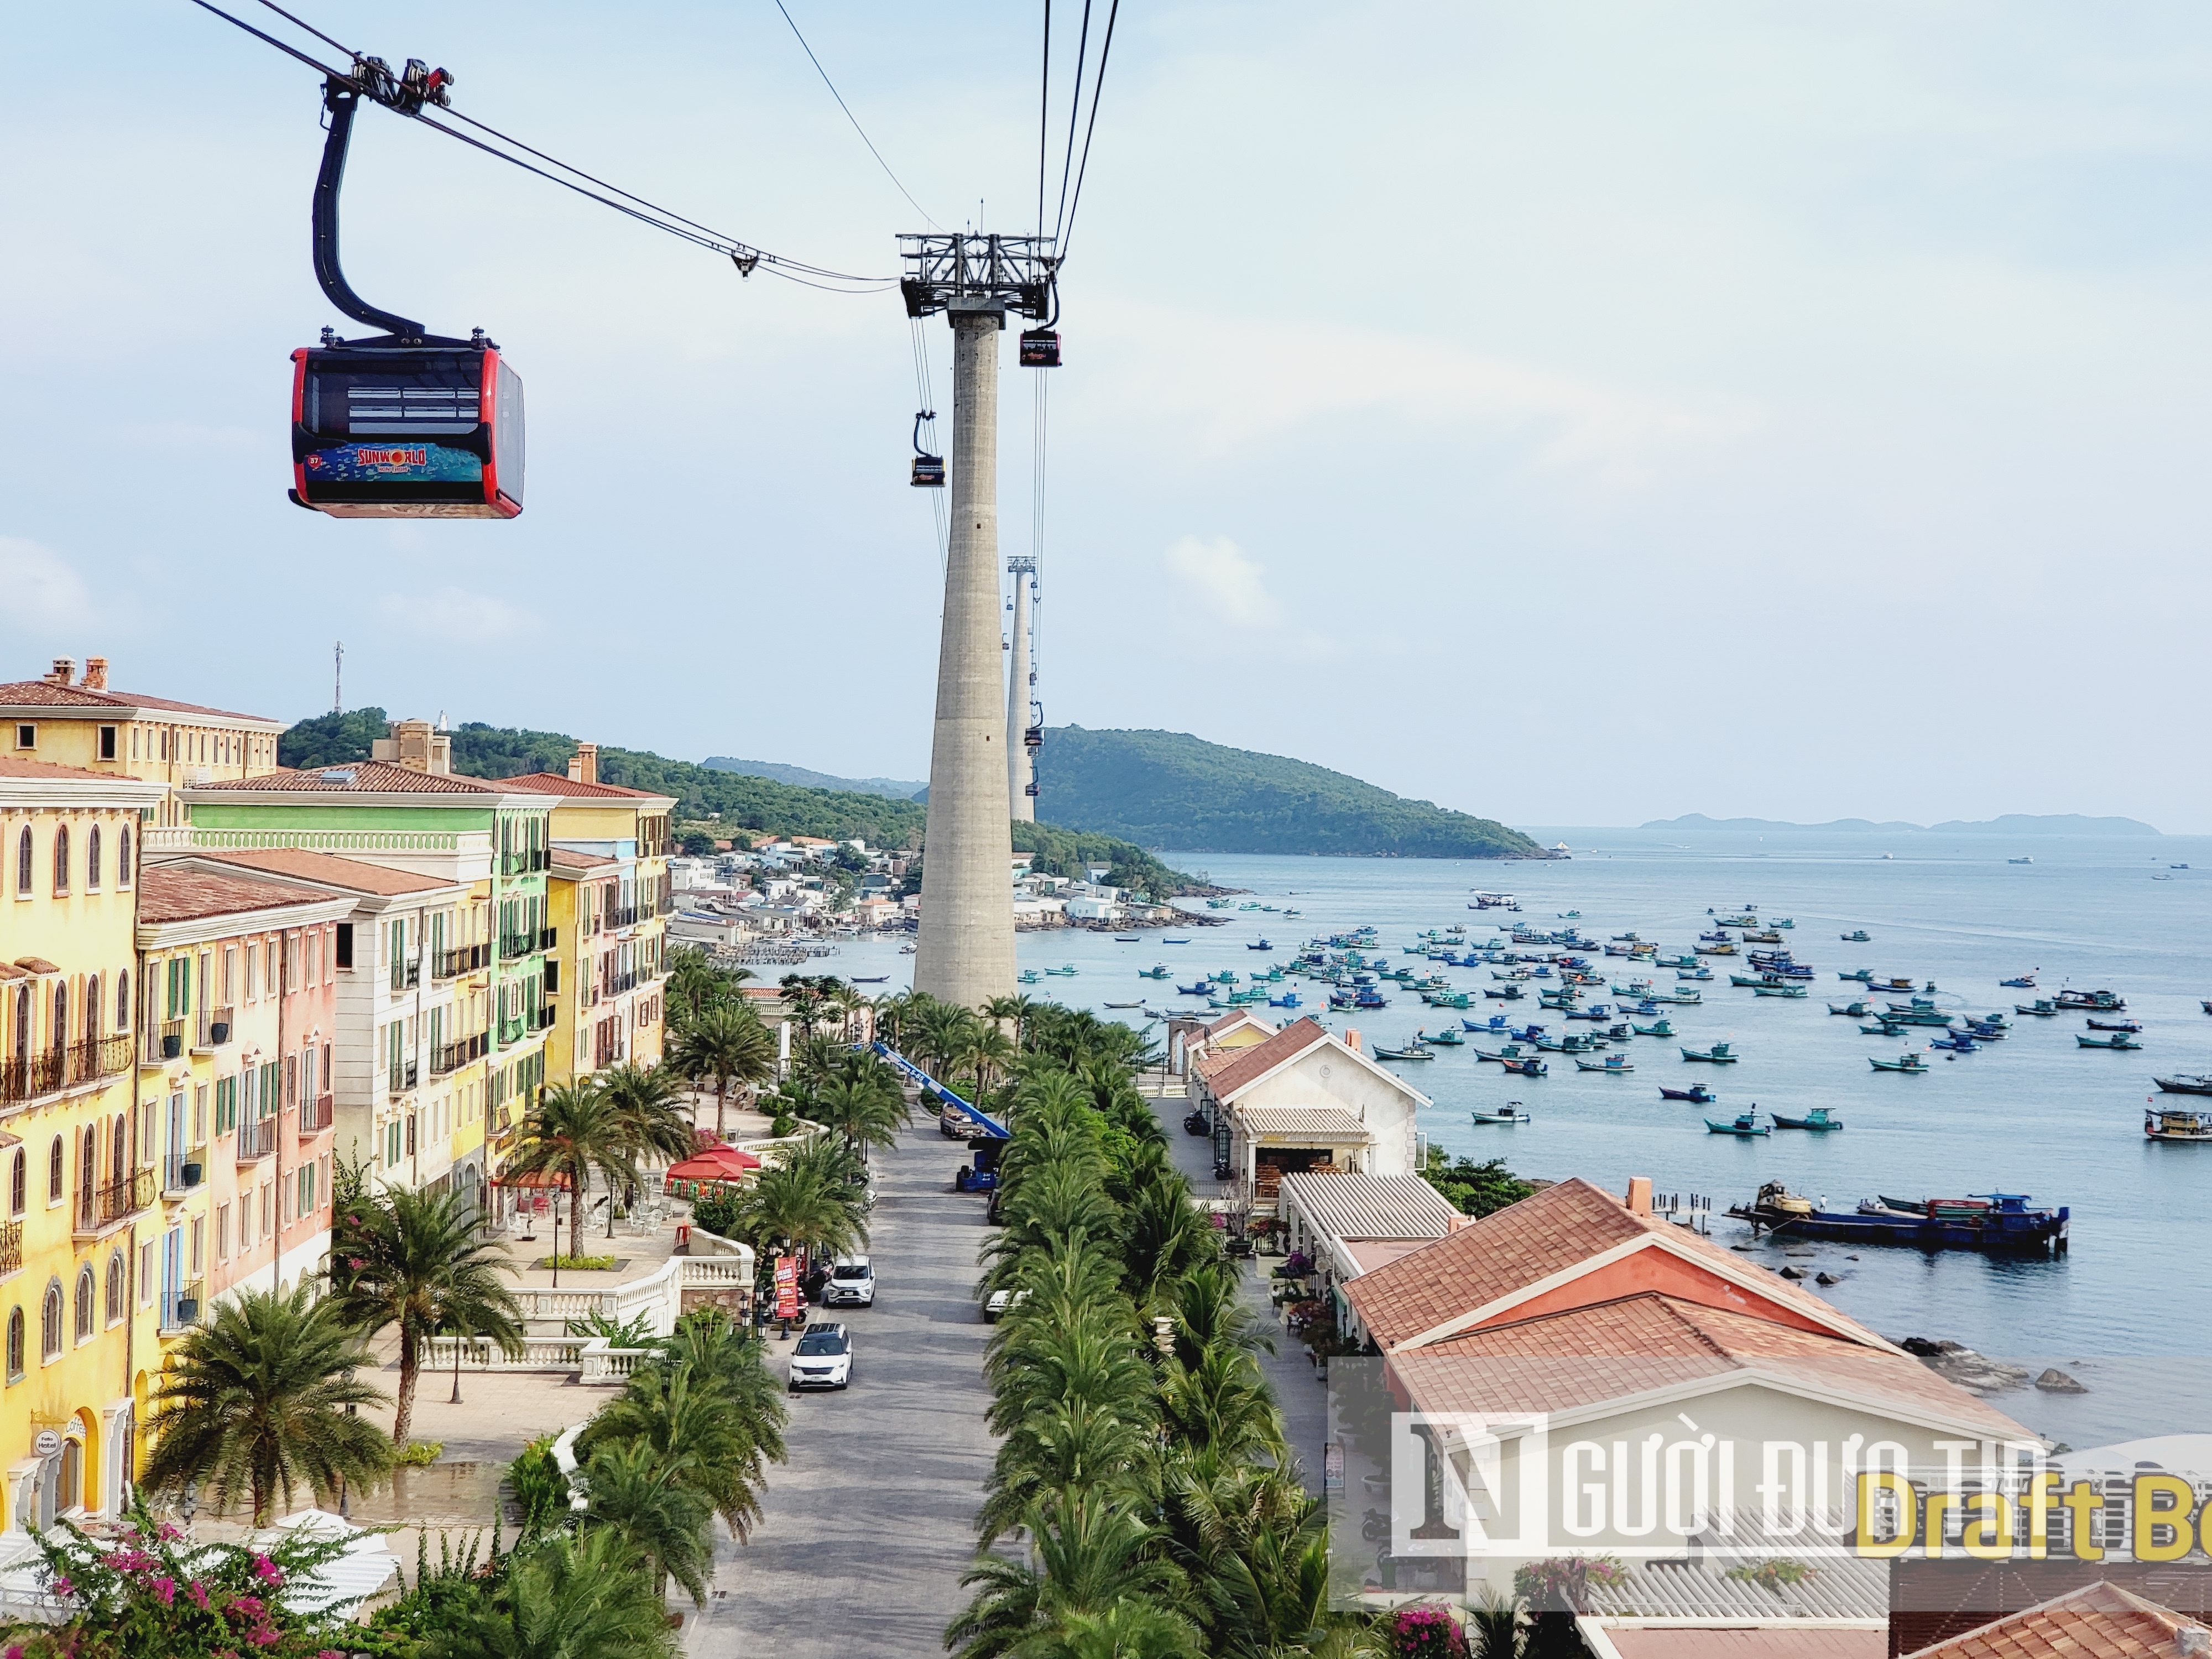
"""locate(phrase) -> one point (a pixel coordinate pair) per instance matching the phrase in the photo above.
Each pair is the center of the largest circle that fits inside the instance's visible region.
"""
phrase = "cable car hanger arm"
(341, 98)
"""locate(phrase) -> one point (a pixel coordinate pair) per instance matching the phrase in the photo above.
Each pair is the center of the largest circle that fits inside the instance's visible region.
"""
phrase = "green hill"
(742, 801)
(1170, 789)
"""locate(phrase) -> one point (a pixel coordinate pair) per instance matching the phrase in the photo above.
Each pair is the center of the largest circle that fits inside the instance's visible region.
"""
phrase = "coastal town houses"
(1298, 1100)
(611, 898)
(235, 1067)
(77, 1245)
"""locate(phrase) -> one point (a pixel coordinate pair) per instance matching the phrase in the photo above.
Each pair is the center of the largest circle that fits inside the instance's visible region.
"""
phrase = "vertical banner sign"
(786, 1287)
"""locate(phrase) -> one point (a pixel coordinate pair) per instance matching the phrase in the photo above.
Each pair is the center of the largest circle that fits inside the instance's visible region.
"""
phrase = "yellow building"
(78, 1282)
(609, 895)
(71, 720)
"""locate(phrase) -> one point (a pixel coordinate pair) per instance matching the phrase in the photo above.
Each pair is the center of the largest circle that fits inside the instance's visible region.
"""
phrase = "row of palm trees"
(1144, 1501)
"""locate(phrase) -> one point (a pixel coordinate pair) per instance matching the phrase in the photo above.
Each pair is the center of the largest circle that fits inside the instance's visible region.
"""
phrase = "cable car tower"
(964, 952)
(1025, 713)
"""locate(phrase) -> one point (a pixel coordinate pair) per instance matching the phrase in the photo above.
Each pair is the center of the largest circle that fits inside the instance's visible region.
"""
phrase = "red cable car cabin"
(428, 431)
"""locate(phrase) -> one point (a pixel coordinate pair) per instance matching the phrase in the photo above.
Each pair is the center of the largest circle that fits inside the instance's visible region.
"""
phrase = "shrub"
(1426, 1633)
(717, 1213)
(782, 1124)
(541, 1491)
(1562, 1584)
(420, 1454)
(583, 1264)
(1773, 1574)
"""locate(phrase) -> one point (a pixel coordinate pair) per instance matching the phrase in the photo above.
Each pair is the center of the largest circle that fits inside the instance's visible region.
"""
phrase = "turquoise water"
(2124, 1310)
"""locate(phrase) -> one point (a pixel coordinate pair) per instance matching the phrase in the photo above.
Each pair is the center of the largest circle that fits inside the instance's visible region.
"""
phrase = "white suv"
(852, 1283)
(822, 1359)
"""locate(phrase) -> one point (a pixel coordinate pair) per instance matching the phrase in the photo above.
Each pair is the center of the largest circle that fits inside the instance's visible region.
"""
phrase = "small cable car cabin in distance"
(1040, 348)
(928, 470)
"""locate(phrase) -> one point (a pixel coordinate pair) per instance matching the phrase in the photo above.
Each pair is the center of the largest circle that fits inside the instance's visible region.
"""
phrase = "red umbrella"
(716, 1164)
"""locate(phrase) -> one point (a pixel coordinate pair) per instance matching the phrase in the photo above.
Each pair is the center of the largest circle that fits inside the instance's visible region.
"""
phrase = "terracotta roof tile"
(44, 693)
(166, 893)
(2098, 1621)
(10, 768)
(1551, 1232)
(1262, 1058)
(325, 867)
(357, 778)
(554, 783)
(565, 859)
(1761, 1642)
(1235, 1018)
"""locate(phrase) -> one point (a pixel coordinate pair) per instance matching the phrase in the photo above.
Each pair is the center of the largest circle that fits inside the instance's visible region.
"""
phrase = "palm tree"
(573, 1131)
(939, 1033)
(583, 1597)
(708, 1407)
(988, 1051)
(802, 994)
(256, 1400)
(414, 1261)
(643, 1493)
(729, 1045)
(809, 1200)
(645, 1103)
(695, 985)
(866, 1110)
(1091, 1554)
(845, 1000)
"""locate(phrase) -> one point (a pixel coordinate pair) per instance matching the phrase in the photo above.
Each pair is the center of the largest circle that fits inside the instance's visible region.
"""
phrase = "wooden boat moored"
(1818, 1120)
(1744, 1126)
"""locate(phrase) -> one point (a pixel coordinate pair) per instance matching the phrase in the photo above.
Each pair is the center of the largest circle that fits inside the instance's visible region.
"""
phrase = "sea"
(2126, 1311)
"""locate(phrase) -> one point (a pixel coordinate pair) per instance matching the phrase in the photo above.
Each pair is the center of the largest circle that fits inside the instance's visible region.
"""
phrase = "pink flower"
(62, 1586)
(197, 1591)
(265, 1637)
(15, 1652)
(267, 1571)
(165, 1590)
(169, 1534)
(249, 1607)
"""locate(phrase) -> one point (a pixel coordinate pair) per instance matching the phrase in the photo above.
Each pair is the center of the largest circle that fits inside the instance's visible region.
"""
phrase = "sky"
(1579, 413)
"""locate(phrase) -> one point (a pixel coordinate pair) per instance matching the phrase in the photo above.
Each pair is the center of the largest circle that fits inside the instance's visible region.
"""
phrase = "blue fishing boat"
(1906, 1063)
(2023, 982)
(1818, 1120)
(1718, 1054)
(1744, 1126)
(1533, 1066)
(1203, 988)
(1259, 944)
(1496, 1025)
(1696, 1094)
(1288, 999)
(1996, 1223)
(1612, 1064)
(2118, 1040)
(1367, 997)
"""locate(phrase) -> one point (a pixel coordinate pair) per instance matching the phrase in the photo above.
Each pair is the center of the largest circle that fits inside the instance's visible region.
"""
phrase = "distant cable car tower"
(964, 951)
(1025, 713)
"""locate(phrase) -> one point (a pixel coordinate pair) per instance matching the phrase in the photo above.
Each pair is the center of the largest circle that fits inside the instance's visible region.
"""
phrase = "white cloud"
(1234, 587)
(456, 615)
(42, 591)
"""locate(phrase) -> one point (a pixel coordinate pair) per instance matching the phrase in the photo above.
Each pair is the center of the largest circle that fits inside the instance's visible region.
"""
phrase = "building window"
(344, 951)
(27, 736)
(55, 1172)
(123, 998)
(15, 1344)
(61, 859)
(222, 1232)
(115, 1308)
(18, 1184)
(108, 749)
(92, 1007)
(61, 1016)
(23, 863)
(92, 858)
(87, 1294)
(50, 1322)
(123, 868)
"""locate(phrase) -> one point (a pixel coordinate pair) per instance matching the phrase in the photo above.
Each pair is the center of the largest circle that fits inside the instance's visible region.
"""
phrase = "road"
(870, 1524)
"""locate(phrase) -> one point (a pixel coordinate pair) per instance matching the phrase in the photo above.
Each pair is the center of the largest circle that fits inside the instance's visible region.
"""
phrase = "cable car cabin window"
(389, 432)
(1039, 349)
(928, 472)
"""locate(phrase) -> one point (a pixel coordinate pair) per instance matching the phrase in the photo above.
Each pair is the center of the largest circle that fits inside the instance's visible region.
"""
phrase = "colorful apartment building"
(239, 1025)
(489, 838)
(78, 1248)
(610, 899)
(71, 720)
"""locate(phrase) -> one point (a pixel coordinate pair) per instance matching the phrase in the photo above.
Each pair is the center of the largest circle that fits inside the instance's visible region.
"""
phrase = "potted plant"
(193, 1172)
(218, 1032)
(173, 1044)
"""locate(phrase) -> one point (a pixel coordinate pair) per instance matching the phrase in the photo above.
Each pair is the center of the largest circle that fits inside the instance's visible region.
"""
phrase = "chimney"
(1639, 1194)
(1352, 1038)
(95, 674)
(60, 672)
(584, 765)
(409, 745)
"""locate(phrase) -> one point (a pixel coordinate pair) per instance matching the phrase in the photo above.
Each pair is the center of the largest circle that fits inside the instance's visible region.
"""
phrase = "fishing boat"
(2177, 1125)
(1125, 1004)
(1203, 988)
(1661, 1027)
(1614, 1064)
(1743, 1126)
(1696, 1094)
(1716, 949)
(1718, 1054)
(1745, 919)
(1902, 1063)
(2025, 860)
(1414, 1053)
(2103, 1002)
(1687, 959)
(1367, 997)
(872, 978)
(1028, 977)
(1174, 941)
(2115, 1025)
(1128, 938)
(2117, 1041)
(1507, 1114)
(1853, 1010)
(1882, 1028)
(1259, 944)
(2019, 983)
(1863, 975)
(906, 950)
(1158, 971)
(1447, 1038)
(1682, 997)
(1817, 1121)
(2184, 1084)
(2042, 1008)
(1533, 1066)
(1511, 1051)
(1503, 993)
(1065, 970)
(1768, 936)
(1777, 990)
(1494, 1026)
(1999, 1223)
(1856, 936)
(1958, 1042)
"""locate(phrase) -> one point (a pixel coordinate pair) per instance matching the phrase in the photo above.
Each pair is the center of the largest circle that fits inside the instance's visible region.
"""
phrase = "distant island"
(1170, 789)
(777, 771)
(2012, 824)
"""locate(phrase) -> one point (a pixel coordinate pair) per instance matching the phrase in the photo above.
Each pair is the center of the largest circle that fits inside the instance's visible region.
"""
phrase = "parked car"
(822, 1359)
(852, 1283)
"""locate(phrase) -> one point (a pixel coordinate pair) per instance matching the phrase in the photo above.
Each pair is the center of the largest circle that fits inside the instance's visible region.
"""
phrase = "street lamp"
(557, 1243)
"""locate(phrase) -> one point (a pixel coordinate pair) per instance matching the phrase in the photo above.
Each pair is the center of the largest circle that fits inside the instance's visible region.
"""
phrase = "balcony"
(111, 1202)
(257, 1141)
(548, 937)
(611, 1054)
(212, 1029)
(513, 946)
(406, 975)
(618, 983)
(165, 1041)
(522, 864)
(11, 1247)
(541, 1019)
(181, 1309)
(183, 1172)
(623, 917)
(52, 1069)
(316, 1115)
(514, 1030)
(402, 1077)
(461, 959)
(452, 1056)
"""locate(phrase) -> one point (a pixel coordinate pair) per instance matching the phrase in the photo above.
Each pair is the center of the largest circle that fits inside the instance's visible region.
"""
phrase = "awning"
(716, 1164)
(1302, 1126)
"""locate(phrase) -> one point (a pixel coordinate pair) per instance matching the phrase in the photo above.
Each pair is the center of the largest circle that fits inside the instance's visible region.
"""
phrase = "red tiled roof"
(1235, 1018)
(325, 867)
(554, 783)
(2098, 1621)
(1262, 1058)
(166, 893)
(367, 777)
(565, 859)
(1764, 1642)
(44, 693)
(1551, 1232)
(10, 768)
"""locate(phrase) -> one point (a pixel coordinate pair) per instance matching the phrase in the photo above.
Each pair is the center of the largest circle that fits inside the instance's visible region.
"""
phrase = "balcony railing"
(50, 1069)
(257, 1141)
(522, 864)
(626, 916)
(165, 1041)
(462, 959)
(542, 1017)
(181, 1309)
(618, 983)
(402, 1077)
(512, 945)
(217, 1025)
(181, 1171)
(548, 937)
(407, 975)
(11, 1247)
(452, 1056)
(514, 1030)
(315, 1115)
(112, 1200)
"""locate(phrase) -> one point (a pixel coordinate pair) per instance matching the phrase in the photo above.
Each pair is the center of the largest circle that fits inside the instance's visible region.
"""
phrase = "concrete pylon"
(1019, 770)
(964, 952)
